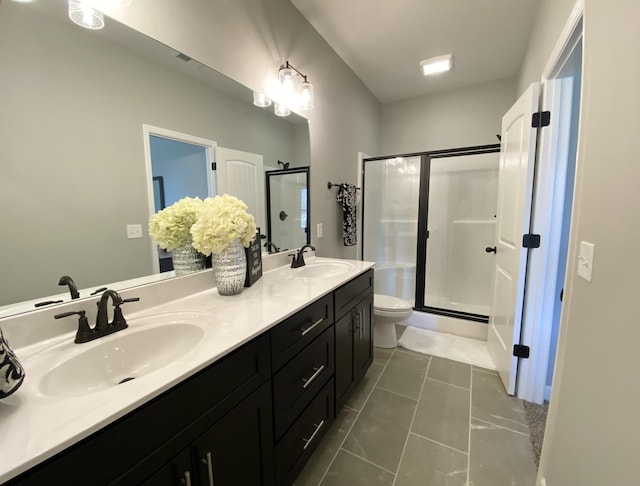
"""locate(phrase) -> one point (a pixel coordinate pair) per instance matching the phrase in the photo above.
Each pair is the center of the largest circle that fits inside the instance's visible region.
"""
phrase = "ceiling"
(383, 41)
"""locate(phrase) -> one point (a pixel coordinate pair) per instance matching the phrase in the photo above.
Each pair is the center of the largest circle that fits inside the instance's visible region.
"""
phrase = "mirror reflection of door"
(287, 209)
(184, 169)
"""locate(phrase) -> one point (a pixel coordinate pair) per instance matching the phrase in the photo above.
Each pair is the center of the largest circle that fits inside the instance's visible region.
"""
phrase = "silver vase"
(229, 269)
(186, 259)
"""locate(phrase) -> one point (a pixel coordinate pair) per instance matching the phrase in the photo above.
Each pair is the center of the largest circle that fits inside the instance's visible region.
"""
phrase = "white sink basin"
(324, 269)
(121, 357)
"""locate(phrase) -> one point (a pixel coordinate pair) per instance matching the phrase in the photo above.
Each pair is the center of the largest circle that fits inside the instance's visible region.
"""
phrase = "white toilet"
(387, 312)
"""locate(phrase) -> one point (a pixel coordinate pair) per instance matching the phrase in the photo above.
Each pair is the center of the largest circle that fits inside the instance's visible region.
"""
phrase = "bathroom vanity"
(247, 405)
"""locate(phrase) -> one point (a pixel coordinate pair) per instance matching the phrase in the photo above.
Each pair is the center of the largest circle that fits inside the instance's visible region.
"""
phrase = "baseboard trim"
(450, 325)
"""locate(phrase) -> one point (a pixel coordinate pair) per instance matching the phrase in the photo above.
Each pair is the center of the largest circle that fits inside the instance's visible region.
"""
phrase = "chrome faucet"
(103, 327)
(298, 259)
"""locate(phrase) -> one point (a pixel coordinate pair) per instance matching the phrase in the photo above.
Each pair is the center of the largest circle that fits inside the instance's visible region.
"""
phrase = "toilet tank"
(395, 278)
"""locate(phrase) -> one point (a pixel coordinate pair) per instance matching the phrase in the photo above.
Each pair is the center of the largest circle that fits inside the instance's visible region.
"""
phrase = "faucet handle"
(118, 318)
(84, 331)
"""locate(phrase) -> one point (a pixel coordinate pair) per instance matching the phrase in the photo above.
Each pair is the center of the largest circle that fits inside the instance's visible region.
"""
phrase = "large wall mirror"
(73, 169)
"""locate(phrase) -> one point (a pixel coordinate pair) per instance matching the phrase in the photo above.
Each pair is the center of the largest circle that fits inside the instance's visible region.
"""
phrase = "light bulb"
(306, 96)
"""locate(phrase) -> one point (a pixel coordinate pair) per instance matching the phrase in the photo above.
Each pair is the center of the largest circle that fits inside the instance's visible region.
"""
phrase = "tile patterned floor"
(419, 420)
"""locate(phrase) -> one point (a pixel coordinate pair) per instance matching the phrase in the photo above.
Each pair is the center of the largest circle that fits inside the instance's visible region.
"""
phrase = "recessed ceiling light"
(436, 65)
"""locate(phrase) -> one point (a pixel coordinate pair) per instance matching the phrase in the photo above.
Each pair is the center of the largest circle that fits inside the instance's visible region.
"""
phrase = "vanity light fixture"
(84, 15)
(435, 65)
(261, 100)
(293, 94)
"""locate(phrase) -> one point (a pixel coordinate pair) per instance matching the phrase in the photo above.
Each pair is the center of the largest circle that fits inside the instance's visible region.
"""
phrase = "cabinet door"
(238, 449)
(363, 338)
(345, 373)
(177, 472)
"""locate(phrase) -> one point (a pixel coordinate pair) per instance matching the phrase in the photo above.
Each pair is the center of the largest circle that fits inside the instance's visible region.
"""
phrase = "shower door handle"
(491, 249)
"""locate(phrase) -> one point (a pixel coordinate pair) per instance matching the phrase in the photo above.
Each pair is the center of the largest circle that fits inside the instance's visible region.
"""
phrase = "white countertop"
(34, 427)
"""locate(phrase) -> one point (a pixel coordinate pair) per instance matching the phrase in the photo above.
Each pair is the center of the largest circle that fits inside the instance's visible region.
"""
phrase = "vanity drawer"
(302, 438)
(291, 336)
(301, 379)
(352, 292)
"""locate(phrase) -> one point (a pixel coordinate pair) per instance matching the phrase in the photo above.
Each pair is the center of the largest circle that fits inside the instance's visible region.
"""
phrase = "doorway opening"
(178, 165)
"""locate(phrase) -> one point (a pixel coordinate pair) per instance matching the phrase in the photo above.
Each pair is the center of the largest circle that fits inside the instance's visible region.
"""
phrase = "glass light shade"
(305, 94)
(261, 99)
(85, 16)
(281, 109)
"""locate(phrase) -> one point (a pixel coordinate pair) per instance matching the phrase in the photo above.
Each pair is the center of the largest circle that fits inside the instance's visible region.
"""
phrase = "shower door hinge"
(541, 119)
(213, 166)
(521, 351)
(530, 241)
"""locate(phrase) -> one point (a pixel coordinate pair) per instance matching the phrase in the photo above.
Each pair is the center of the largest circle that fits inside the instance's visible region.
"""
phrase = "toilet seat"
(393, 307)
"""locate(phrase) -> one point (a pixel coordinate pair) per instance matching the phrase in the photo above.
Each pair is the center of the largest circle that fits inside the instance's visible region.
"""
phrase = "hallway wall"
(592, 432)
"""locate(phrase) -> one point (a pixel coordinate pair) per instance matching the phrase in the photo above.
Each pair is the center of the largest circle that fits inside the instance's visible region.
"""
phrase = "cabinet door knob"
(207, 460)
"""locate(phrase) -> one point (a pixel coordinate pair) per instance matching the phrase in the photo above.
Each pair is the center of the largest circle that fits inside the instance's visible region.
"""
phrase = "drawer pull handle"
(308, 381)
(187, 479)
(307, 330)
(209, 464)
(315, 432)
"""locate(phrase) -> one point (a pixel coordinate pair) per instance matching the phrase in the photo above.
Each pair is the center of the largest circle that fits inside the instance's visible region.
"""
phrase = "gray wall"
(593, 431)
(72, 156)
(457, 118)
(248, 40)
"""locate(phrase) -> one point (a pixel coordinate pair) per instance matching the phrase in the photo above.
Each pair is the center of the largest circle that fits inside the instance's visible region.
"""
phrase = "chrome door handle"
(307, 381)
(307, 330)
(307, 442)
(207, 460)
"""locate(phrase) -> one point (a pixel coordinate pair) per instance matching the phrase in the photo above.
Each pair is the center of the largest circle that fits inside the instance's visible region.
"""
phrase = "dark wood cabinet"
(353, 335)
(251, 419)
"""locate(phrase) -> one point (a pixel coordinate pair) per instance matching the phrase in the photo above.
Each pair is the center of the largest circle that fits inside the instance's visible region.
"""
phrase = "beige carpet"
(456, 348)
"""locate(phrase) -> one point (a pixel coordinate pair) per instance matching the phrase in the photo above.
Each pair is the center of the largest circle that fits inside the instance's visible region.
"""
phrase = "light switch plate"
(585, 260)
(319, 230)
(134, 231)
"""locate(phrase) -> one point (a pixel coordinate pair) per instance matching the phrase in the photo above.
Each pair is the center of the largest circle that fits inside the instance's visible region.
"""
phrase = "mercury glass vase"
(186, 259)
(229, 269)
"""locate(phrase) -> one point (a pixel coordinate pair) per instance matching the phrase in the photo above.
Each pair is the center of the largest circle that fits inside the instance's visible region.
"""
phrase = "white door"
(241, 174)
(515, 187)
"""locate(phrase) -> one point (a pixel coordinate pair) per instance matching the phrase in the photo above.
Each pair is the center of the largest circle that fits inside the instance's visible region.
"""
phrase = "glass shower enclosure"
(429, 224)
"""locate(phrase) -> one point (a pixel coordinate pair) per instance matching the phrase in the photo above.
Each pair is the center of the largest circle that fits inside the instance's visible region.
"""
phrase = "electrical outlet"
(134, 231)
(319, 230)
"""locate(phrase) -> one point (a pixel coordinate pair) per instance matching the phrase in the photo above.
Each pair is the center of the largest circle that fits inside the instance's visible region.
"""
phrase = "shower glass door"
(391, 190)
(461, 218)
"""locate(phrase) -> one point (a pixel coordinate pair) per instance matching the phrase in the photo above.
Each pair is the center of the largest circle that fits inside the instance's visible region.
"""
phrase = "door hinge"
(521, 351)
(541, 119)
(213, 166)
(530, 241)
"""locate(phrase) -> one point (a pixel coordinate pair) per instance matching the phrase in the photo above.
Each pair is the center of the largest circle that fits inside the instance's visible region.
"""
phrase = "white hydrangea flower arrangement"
(171, 227)
(221, 220)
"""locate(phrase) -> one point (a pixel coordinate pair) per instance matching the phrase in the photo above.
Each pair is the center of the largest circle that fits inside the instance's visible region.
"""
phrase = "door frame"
(208, 145)
(547, 221)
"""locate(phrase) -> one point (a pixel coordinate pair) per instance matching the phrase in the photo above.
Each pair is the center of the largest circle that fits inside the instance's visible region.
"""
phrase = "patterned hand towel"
(347, 197)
